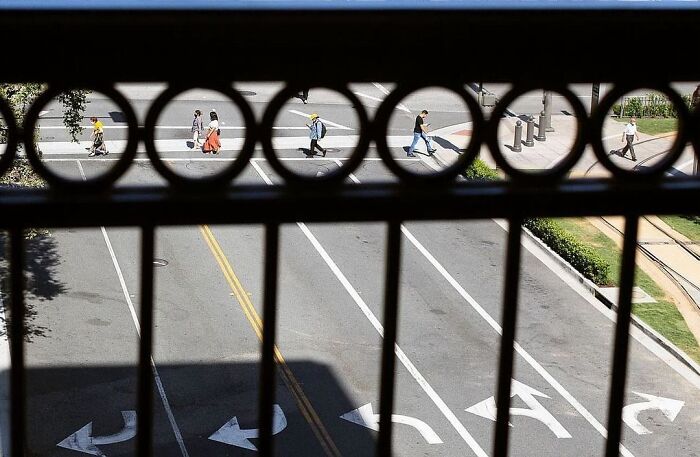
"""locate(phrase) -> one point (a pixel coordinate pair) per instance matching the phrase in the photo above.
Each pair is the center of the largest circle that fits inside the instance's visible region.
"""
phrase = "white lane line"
(386, 91)
(442, 406)
(174, 127)
(519, 349)
(134, 317)
(377, 99)
(232, 159)
(324, 120)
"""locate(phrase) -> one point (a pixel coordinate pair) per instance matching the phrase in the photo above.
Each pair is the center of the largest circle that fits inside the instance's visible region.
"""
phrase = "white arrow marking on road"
(487, 408)
(364, 416)
(83, 441)
(669, 407)
(231, 433)
(41, 113)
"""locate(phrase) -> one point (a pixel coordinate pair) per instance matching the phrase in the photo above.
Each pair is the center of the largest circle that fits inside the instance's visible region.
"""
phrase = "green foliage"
(479, 171)
(617, 109)
(652, 105)
(21, 174)
(74, 106)
(581, 257)
(21, 96)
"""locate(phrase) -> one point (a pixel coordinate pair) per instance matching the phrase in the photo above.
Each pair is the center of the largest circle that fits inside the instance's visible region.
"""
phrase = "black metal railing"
(351, 45)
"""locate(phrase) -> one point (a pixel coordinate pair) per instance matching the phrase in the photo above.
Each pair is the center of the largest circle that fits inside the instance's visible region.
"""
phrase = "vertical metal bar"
(267, 374)
(505, 364)
(391, 317)
(619, 374)
(145, 375)
(18, 411)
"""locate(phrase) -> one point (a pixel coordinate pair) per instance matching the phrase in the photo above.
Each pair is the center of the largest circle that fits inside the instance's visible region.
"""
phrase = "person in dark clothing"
(420, 130)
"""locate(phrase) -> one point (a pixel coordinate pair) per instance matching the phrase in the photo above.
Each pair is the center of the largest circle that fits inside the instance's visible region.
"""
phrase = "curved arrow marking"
(232, 434)
(487, 408)
(83, 441)
(364, 416)
(669, 407)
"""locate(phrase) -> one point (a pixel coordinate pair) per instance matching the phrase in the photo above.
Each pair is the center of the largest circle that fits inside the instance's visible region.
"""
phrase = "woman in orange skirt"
(212, 143)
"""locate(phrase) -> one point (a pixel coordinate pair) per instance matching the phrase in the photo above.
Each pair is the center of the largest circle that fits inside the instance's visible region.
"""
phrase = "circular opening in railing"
(429, 130)
(429, 133)
(199, 134)
(313, 134)
(537, 132)
(639, 131)
(77, 136)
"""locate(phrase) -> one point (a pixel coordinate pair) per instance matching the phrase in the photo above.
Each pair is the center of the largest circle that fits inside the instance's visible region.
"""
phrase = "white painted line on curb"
(134, 317)
(442, 406)
(324, 120)
(651, 345)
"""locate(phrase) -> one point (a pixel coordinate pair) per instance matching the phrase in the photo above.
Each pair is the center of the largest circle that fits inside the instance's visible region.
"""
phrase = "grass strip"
(688, 226)
(653, 125)
(663, 316)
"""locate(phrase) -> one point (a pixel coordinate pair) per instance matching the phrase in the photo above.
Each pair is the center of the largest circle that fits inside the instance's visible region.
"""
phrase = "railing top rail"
(352, 45)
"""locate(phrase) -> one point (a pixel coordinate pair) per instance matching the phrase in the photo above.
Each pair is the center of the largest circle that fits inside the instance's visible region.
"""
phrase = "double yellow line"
(253, 317)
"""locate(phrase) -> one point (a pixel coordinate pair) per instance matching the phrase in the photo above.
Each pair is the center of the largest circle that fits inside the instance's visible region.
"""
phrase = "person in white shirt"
(628, 135)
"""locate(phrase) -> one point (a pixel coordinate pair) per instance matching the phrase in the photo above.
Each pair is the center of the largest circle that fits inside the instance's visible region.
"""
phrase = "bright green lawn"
(686, 225)
(653, 126)
(662, 316)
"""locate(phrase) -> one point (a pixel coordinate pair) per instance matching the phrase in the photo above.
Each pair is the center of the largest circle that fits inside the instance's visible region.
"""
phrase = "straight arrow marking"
(365, 416)
(669, 407)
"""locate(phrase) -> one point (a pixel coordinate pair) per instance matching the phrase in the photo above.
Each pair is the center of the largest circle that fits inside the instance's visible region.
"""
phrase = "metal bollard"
(541, 129)
(517, 142)
(548, 111)
(529, 137)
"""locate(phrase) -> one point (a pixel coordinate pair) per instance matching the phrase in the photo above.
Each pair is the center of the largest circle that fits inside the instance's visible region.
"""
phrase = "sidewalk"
(655, 237)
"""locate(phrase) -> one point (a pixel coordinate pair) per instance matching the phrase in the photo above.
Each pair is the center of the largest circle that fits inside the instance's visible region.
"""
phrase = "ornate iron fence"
(351, 45)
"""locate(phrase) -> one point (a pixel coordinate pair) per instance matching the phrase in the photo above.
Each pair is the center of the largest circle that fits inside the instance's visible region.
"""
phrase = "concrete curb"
(594, 290)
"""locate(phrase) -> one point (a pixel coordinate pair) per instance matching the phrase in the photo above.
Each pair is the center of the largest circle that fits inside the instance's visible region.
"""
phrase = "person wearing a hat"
(316, 133)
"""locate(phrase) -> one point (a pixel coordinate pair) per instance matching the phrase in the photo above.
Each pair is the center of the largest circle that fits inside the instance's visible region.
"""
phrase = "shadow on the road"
(448, 144)
(117, 117)
(203, 398)
(41, 284)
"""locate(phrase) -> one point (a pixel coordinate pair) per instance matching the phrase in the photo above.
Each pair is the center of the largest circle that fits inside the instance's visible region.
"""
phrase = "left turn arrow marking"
(231, 432)
(364, 416)
(83, 441)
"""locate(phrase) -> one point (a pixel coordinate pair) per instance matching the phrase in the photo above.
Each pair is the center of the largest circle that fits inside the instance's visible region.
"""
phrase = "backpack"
(323, 129)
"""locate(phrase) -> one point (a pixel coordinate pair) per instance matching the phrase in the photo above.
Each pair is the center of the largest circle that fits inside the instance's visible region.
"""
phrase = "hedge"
(586, 262)
(583, 259)
(654, 106)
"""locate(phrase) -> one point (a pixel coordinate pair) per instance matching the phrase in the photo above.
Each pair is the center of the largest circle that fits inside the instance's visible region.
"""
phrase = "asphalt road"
(84, 294)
